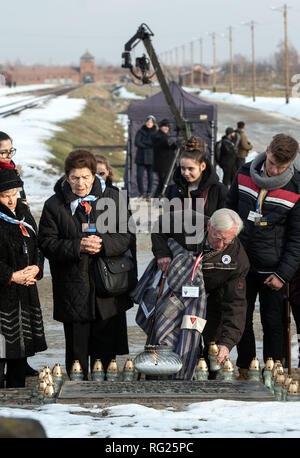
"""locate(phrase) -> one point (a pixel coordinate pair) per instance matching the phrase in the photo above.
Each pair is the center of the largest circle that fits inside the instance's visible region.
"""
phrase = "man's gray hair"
(224, 219)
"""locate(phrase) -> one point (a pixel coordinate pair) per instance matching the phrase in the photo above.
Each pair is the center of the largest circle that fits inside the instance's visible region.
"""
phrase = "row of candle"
(285, 388)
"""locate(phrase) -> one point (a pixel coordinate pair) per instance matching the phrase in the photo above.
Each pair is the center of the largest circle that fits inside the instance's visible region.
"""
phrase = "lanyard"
(262, 195)
(197, 262)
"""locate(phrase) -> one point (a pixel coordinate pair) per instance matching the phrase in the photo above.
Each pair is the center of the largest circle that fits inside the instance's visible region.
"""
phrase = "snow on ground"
(123, 93)
(219, 418)
(274, 105)
(4, 90)
(211, 419)
(28, 130)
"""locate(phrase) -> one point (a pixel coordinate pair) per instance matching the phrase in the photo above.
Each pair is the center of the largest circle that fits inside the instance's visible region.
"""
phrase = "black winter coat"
(21, 320)
(163, 152)
(224, 283)
(72, 272)
(274, 246)
(210, 189)
(143, 142)
(228, 154)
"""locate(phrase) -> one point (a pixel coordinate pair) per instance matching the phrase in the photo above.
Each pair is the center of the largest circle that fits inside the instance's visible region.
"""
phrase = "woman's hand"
(24, 277)
(91, 244)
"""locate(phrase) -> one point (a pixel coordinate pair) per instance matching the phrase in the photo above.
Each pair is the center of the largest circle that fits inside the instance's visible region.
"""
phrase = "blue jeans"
(140, 170)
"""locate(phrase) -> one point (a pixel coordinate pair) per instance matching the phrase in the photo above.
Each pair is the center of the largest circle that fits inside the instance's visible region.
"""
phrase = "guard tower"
(87, 68)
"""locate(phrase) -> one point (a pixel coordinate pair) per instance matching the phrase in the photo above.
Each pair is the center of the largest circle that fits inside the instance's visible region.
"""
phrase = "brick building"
(86, 72)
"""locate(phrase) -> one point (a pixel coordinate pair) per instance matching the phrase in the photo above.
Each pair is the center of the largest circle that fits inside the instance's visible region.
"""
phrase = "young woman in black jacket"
(196, 180)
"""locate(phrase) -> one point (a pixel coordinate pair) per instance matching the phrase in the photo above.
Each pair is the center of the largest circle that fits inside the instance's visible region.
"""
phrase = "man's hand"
(164, 264)
(223, 354)
(273, 282)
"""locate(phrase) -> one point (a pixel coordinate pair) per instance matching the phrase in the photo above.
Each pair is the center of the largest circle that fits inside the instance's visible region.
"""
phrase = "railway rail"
(16, 107)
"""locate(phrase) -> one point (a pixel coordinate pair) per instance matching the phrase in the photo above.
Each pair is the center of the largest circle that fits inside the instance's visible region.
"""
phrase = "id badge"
(190, 291)
(88, 227)
(254, 216)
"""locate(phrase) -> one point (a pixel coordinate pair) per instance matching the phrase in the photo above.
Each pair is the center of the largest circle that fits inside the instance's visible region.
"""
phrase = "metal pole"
(165, 88)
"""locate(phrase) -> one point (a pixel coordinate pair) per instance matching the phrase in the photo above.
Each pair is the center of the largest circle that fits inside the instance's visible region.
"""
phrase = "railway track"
(13, 108)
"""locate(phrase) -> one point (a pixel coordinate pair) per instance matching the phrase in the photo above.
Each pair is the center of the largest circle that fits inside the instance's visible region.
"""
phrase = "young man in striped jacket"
(266, 195)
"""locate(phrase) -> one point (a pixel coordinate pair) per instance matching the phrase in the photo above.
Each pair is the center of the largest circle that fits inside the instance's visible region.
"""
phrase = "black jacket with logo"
(274, 245)
(224, 274)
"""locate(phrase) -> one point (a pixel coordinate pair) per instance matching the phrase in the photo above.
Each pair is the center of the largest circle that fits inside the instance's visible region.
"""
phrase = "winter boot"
(243, 374)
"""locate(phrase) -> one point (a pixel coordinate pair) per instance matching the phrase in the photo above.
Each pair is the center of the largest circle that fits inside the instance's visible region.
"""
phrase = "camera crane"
(144, 34)
(142, 65)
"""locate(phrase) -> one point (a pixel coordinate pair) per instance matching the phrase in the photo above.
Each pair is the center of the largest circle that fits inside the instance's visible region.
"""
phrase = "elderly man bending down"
(225, 266)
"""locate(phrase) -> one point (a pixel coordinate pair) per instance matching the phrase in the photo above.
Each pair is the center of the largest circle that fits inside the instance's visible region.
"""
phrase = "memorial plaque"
(165, 389)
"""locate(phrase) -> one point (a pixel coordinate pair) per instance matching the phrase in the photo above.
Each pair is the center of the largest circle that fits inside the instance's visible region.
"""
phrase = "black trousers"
(229, 170)
(96, 339)
(273, 320)
(15, 372)
(161, 180)
(140, 169)
(240, 161)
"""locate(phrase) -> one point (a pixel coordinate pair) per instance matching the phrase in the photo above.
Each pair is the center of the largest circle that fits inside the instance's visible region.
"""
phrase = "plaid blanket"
(179, 321)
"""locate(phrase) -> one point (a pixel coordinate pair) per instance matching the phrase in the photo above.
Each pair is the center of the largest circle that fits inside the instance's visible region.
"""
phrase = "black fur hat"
(9, 179)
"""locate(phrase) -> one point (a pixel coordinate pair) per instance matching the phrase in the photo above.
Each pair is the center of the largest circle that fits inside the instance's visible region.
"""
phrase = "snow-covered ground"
(219, 418)
(28, 130)
(4, 90)
(123, 93)
(212, 419)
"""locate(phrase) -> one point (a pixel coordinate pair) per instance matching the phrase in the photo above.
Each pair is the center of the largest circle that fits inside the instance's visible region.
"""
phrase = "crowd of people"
(249, 246)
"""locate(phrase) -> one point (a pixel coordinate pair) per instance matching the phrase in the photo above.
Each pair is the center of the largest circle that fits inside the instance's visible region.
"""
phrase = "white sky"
(56, 32)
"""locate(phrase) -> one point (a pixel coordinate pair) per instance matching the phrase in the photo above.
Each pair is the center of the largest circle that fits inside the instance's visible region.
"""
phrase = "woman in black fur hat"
(21, 265)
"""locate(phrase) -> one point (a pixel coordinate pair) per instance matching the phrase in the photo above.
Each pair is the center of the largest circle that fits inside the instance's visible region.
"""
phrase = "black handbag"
(114, 275)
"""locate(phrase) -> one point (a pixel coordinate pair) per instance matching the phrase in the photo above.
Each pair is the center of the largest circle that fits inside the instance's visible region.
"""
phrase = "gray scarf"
(269, 183)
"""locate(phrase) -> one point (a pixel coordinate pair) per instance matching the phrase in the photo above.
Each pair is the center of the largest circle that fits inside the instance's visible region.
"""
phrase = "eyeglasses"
(7, 153)
(225, 241)
(86, 179)
(101, 174)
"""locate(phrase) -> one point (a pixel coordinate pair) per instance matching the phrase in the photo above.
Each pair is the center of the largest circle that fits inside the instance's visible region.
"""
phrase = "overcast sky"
(59, 32)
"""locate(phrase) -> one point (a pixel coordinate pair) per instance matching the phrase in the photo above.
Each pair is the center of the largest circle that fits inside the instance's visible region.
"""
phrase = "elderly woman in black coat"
(94, 326)
(21, 264)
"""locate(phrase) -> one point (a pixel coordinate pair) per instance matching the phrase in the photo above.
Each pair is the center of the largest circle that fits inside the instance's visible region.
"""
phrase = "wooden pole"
(253, 62)
(192, 64)
(286, 47)
(176, 64)
(231, 61)
(214, 86)
(201, 62)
